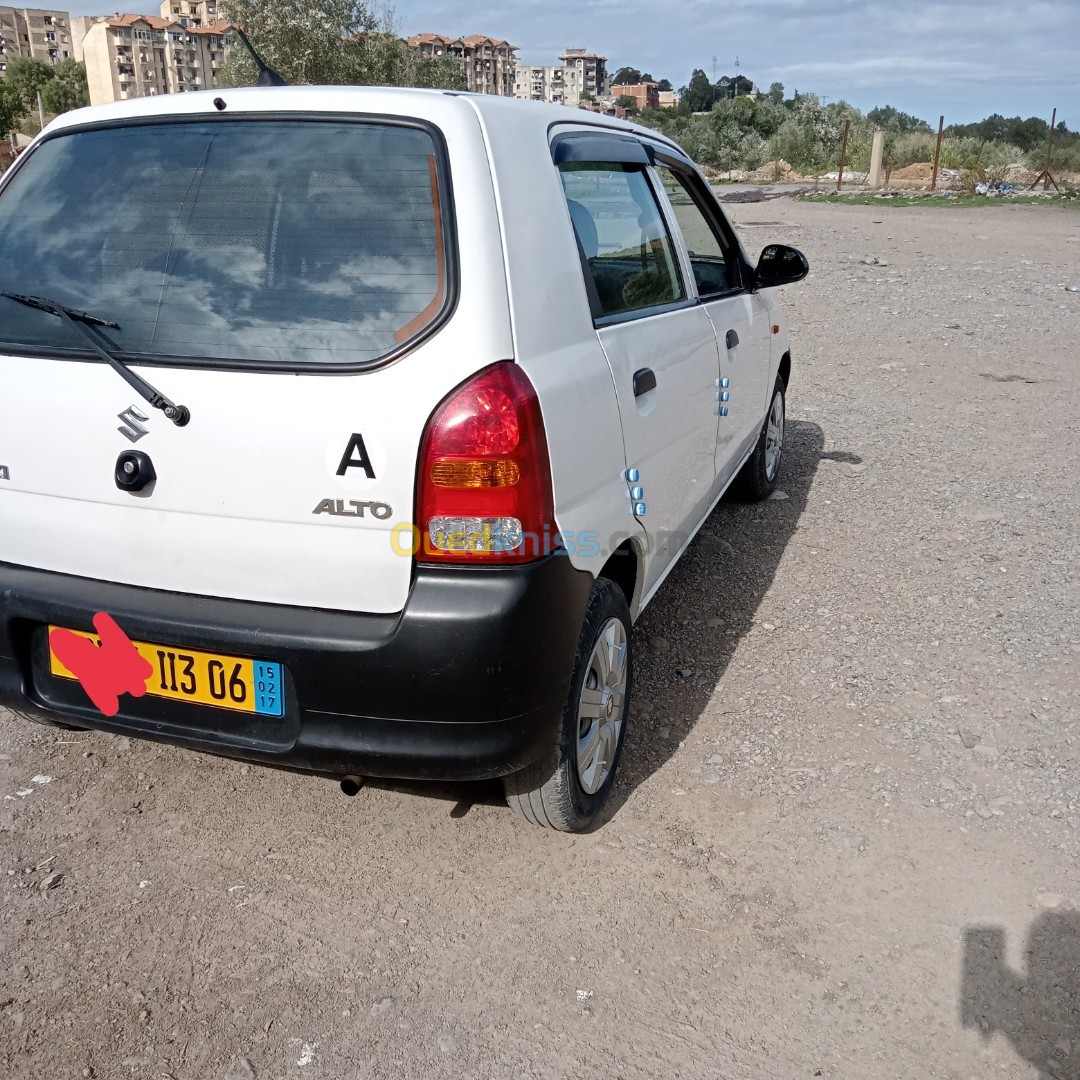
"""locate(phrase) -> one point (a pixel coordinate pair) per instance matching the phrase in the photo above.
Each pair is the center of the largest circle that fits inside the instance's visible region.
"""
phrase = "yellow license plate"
(222, 682)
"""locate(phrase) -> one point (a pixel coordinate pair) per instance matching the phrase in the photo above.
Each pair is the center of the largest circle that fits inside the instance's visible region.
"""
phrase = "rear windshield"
(268, 242)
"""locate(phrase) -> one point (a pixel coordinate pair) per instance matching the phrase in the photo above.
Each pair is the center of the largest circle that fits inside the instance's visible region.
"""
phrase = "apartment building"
(128, 56)
(195, 13)
(540, 83)
(9, 36)
(669, 99)
(581, 78)
(586, 76)
(43, 34)
(488, 63)
(646, 95)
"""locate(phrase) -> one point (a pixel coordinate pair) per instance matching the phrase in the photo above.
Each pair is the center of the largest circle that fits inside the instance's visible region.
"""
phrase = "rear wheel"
(757, 479)
(566, 788)
(43, 722)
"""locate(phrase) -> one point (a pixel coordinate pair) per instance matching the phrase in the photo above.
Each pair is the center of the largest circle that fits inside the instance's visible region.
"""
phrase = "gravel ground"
(845, 839)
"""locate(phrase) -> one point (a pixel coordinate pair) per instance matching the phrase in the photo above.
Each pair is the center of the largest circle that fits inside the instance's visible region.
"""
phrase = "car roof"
(344, 99)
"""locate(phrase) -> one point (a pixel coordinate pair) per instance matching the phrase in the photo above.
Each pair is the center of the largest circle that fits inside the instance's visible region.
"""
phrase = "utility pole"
(714, 70)
(41, 110)
(735, 84)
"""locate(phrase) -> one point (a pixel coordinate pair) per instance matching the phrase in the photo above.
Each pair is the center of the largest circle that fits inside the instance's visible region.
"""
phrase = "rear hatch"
(296, 283)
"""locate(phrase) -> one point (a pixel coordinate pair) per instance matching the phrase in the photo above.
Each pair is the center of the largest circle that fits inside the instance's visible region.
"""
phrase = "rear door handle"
(644, 381)
(732, 339)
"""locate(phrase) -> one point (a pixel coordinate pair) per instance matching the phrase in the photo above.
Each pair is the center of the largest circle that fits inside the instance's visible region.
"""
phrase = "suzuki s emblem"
(4, 474)
(132, 430)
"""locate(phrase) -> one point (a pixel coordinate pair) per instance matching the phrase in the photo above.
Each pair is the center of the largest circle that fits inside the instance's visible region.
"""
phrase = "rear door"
(659, 343)
(296, 284)
(740, 318)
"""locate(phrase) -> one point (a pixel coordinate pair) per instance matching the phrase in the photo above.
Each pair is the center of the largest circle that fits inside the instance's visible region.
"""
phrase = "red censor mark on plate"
(107, 672)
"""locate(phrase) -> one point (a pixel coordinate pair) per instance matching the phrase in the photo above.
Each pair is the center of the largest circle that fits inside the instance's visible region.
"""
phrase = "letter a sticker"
(356, 457)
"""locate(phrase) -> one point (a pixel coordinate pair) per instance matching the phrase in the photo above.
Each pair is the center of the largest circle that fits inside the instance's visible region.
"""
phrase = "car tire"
(567, 787)
(757, 478)
(43, 721)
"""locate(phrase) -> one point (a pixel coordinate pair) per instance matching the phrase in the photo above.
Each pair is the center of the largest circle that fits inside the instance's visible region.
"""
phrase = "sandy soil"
(845, 840)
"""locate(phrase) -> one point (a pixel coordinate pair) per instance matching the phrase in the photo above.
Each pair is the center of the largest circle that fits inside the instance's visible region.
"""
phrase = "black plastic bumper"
(467, 682)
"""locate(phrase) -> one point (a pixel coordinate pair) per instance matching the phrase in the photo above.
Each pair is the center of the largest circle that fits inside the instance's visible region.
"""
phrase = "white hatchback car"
(452, 382)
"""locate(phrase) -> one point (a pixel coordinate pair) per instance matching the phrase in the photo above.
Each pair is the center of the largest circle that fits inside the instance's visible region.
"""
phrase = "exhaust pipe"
(351, 785)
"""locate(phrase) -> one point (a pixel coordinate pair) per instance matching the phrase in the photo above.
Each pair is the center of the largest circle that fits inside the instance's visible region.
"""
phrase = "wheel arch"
(785, 369)
(624, 567)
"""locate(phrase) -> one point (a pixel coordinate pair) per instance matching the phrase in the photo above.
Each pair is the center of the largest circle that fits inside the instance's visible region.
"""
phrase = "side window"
(623, 236)
(714, 270)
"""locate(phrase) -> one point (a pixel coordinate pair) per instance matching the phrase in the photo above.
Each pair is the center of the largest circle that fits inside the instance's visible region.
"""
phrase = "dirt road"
(845, 842)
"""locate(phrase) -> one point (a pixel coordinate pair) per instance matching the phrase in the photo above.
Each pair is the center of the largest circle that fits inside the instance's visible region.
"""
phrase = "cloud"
(964, 59)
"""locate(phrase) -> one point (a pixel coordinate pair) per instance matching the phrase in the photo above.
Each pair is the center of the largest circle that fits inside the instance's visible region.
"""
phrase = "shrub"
(744, 133)
(908, 148)
(799, 146)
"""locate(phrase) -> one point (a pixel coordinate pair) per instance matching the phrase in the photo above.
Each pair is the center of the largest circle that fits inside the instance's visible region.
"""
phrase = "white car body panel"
(232, 511)
(235, 518)
(554, 338)
(669, 432)
(749, 367)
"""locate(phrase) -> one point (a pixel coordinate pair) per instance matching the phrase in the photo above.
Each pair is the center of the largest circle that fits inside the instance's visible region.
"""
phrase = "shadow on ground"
(694, 623)
(1036, 1009)
(703, 611)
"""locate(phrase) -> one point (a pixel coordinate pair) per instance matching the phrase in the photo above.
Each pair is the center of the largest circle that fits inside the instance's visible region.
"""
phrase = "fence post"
(875, 158)
(843, 154)
(1045, 176)
(1049, 144)
(937, 153)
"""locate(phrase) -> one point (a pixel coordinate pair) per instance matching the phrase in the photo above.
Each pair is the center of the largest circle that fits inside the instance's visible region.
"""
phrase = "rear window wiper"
(84, 324)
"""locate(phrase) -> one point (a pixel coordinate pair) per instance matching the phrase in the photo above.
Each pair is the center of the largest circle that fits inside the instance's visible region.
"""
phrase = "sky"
(927, 57)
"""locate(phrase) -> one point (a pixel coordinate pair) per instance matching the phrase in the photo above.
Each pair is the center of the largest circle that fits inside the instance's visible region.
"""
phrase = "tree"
(331, 42)
(798, 145)
(625, 101)
(12, 108)
(646, 77)
(891, 119)
(383, 59)
(68, 89)
(28, 76)
(665, 85)
(432, 72)
(727, 87)
(700, 93)
(626, 76)
(744, 132)
(1029, 135)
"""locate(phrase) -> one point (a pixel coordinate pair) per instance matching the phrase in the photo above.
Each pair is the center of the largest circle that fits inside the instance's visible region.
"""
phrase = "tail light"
(483, 492)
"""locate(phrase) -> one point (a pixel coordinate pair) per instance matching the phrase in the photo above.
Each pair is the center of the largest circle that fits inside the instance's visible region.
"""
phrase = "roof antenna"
(267, 75)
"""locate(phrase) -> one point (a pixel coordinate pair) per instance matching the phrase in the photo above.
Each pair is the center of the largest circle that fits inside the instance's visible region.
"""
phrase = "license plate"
(222, 682)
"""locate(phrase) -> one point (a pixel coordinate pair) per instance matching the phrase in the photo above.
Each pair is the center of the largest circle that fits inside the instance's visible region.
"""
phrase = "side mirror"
(780, 265)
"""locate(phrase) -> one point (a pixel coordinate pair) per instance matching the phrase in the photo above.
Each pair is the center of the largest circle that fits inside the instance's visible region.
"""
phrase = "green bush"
(799, 146)
(908, 148)
(1063, 159)
(969, 152)
(744, 133)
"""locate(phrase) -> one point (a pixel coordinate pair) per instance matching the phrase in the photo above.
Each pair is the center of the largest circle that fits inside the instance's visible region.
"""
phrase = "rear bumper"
(467, 682)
